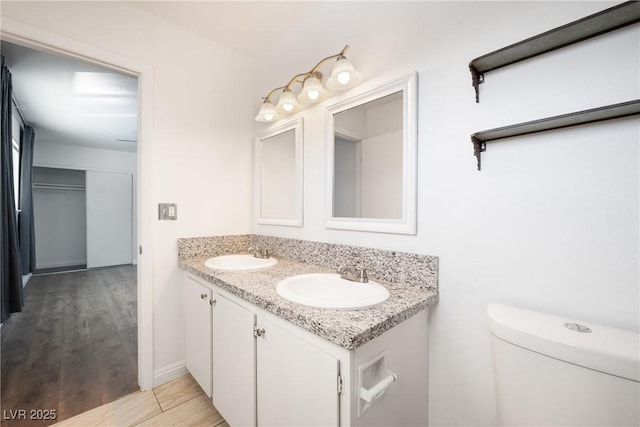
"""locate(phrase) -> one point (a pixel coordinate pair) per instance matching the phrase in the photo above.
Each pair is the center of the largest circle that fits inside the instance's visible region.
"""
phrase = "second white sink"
(324, 290)
(239, 262)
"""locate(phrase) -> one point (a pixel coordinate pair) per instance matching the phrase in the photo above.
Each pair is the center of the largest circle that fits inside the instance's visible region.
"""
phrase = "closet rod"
(59, 187)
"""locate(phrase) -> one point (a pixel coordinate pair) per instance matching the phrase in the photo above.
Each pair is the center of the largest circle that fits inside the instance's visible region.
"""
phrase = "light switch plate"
(167, 211)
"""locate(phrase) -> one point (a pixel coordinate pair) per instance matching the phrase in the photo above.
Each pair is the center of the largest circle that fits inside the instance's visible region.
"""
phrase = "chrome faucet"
(354, 275)
(259, 253)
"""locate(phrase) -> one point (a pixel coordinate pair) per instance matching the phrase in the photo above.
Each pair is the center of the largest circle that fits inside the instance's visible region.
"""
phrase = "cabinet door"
(234, 355)
(197, 334)
(296, 381)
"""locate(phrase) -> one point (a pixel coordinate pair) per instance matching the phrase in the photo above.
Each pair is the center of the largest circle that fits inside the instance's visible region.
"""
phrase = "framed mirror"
(278, 154)
(371, 158)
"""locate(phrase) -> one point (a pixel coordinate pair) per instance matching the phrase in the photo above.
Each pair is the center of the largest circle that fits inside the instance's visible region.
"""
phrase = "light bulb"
(312, 90)
(287, 103)
(267, 112)
(344, 77)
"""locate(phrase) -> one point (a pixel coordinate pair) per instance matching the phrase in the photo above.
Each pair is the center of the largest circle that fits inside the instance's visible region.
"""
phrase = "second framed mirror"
(371, 158)
(278, 161)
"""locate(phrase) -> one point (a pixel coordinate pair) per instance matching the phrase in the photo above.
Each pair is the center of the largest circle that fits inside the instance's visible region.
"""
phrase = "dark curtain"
(10, 273)
(25, 219)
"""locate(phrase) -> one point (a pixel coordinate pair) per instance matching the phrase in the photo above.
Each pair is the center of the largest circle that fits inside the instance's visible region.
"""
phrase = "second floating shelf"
(624, 109)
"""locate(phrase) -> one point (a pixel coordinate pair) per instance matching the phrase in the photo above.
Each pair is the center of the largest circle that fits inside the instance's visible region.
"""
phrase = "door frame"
(36, 38)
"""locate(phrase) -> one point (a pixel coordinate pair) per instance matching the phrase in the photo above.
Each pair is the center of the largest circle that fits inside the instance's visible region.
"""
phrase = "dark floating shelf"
(609, 112)
(591, 26)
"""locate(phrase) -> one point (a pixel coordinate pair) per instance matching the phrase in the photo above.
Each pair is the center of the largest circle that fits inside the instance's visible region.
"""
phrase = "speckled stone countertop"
(347, 328)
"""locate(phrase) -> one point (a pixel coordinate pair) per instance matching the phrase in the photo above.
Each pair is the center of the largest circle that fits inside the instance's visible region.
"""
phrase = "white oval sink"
(239, 262)
(324, 290)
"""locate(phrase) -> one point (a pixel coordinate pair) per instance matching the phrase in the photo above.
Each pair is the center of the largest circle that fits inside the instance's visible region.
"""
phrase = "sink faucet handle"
(342, 269)
(364, 277)
(259, 253)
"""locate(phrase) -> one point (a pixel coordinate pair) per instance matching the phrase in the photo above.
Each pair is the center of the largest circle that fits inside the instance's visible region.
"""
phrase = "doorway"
(42, 40)
(77, 333)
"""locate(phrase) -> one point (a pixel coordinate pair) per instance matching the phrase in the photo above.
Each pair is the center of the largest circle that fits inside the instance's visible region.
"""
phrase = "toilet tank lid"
(606, 349)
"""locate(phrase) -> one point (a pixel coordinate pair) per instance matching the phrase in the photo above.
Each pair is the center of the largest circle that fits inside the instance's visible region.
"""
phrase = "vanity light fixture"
(343, 76)
(267, 112)
(288, 102)
(312, 90)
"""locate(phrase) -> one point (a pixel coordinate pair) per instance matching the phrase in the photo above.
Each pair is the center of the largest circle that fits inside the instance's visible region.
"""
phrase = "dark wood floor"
(72, 348)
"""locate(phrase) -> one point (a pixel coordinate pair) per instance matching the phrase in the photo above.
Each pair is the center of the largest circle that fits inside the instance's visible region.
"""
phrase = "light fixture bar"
(343, 76)
(322, 61)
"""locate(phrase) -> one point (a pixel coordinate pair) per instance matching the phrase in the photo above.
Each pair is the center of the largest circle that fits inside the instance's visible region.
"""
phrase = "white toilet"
(552, 371)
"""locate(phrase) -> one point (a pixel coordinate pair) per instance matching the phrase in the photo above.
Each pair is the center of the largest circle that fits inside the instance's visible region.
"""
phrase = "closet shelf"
(591, 26)
(609, 112)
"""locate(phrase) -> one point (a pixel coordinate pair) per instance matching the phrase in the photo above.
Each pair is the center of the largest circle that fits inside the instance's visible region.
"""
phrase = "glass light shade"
(287, 103)
(267, 113)
(312, 91)
(344, 75)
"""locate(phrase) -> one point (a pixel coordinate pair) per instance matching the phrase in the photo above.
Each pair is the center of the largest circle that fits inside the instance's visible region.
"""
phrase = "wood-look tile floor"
(72, 348)
(180, 403)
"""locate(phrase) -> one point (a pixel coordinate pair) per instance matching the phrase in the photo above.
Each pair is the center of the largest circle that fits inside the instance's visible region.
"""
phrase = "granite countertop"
(346, 328)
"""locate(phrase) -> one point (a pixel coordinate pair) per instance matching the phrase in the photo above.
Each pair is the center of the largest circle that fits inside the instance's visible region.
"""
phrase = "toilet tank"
(554, 371)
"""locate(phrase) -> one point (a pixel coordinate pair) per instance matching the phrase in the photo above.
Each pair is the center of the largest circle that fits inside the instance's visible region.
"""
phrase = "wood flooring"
(180, 403)
(72, 348)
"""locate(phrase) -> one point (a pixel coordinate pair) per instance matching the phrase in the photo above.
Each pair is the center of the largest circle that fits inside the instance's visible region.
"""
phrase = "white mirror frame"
(406, 224)
(297, 126)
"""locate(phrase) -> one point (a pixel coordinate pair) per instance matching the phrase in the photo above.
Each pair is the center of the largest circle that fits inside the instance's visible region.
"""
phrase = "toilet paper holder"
(375, 392)
(373, 380)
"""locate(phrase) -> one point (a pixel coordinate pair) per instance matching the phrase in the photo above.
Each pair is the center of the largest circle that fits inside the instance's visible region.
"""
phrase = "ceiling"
(72, 102)
(75, 103)
(246, 26)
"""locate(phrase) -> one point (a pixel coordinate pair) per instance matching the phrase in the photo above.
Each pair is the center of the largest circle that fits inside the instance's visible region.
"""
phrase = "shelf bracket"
(476, 79)
(478, 147)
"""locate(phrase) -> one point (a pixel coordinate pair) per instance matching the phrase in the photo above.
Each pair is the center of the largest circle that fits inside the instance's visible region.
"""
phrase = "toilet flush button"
(578, 327)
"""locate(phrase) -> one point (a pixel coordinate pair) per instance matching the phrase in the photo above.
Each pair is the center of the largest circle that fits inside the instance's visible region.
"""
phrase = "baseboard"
(169, 373)
(42, 266)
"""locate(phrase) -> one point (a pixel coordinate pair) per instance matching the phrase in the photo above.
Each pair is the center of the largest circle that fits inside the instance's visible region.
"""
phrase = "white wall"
(75, 157)
(550, 223)
(199, 144)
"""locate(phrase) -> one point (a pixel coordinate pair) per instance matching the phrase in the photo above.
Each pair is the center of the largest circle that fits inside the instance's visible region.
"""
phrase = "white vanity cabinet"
(197, 335)
(259, 364)
(297, 381)
(267, 371)
(234, 353)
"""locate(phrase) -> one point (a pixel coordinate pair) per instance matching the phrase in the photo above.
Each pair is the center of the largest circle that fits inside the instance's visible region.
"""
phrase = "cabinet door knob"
(212, 302)
(259, 332)
(203, 296)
